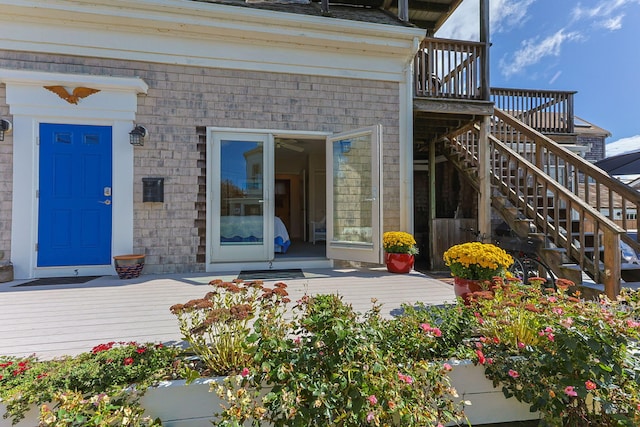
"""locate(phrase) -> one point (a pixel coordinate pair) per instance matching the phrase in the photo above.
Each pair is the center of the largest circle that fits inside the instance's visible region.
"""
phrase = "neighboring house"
(248, 107)
(592, 137)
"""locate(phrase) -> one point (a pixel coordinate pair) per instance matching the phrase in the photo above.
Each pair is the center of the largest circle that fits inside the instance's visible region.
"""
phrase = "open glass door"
(354, 168)
(241, 214)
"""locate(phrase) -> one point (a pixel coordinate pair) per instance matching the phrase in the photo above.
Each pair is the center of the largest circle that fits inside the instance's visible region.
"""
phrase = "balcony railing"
(449, 69)
(545, 111)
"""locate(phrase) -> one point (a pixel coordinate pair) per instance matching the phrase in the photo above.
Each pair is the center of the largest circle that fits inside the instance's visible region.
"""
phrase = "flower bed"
(533, 352)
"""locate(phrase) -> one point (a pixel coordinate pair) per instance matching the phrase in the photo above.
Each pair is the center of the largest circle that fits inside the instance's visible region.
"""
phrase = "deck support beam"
(484, 179)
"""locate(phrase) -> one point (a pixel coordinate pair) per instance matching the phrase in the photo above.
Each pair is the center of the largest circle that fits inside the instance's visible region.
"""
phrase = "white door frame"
(221, 265)
(31, 104)
(368, 248)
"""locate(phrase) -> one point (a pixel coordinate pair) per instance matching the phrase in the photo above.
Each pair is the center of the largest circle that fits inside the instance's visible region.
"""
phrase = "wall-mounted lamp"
(138, 135)
(5, 127)
(345, 146)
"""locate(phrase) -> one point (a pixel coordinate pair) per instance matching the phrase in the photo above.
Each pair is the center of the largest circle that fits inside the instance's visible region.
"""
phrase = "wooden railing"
(617, 201)
(449, 69)
(545, 111)
(550, 206)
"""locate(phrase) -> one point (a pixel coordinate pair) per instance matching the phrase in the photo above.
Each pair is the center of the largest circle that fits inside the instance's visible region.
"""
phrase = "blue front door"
(74, 208)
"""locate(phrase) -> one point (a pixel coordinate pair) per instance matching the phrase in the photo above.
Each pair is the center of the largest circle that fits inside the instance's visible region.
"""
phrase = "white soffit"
(207, 34)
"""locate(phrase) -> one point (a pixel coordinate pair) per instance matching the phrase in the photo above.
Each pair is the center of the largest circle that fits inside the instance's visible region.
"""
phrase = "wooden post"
(612, 260)
(484, 38)
(432, 204)
(484, 165)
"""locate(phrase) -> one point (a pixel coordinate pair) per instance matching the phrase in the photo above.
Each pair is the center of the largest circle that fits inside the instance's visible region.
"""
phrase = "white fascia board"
(206, 34)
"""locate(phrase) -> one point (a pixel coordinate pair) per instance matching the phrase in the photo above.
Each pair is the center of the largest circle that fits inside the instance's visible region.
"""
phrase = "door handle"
(106, 202)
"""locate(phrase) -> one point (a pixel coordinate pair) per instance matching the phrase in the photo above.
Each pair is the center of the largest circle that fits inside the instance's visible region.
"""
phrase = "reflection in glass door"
(241, 211)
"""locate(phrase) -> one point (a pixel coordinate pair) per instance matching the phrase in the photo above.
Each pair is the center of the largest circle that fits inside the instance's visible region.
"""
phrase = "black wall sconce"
(138, 135)
(5, 127)
(153, 190)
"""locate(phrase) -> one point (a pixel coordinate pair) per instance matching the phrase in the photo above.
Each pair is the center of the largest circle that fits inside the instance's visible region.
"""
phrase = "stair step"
(630, 272)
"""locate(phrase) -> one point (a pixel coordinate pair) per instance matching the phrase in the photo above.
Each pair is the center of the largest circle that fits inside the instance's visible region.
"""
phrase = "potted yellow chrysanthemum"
(473, 263)
(400, 249)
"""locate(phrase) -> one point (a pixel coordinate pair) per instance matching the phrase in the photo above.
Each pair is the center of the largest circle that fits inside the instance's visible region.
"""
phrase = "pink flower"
(447, 367)
(370, 417)
(521, 345)
(513, 374)
(436, 332)
(551, 337)
(570, 391)
(297, 340)
(425, 327)
(590, 385)
(372, 399)
(406, 378)
(557, 310)
(552, 299)
(244, 372)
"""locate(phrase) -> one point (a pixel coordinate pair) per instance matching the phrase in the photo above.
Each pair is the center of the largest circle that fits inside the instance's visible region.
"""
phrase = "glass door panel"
(241, 211)
(353, 190)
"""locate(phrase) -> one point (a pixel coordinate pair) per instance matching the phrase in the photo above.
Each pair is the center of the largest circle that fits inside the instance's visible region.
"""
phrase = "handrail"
(538, 197)
(445, 68)
(545, 111)
(591, 184)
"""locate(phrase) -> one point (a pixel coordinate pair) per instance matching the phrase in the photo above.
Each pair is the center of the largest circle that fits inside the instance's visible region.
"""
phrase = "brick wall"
(180, 100)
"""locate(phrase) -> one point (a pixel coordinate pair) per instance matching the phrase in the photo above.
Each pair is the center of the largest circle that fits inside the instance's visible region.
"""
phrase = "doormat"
(58, 281)
(293, 273)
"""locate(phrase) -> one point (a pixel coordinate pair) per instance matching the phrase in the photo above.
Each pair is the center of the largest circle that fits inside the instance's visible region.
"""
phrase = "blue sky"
(588, 46)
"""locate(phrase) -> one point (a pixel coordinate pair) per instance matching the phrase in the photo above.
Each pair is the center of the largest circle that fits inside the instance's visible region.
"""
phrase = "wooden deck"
(55, 320)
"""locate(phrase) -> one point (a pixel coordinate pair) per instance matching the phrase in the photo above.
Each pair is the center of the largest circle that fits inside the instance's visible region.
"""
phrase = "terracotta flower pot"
(399, 263)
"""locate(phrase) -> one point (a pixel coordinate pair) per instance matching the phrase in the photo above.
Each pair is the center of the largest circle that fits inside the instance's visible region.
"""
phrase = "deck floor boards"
(58, 320)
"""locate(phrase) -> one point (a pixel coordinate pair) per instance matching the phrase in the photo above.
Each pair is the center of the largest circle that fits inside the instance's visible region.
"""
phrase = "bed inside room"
(250, 229)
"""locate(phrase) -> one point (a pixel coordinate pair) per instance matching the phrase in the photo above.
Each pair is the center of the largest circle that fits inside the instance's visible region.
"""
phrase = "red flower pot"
(399, 263)
(464, 287)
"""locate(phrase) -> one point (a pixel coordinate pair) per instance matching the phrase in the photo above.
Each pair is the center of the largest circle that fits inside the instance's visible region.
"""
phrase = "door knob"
(106, 202)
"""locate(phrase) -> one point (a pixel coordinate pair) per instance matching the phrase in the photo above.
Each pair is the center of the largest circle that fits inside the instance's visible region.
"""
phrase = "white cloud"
(604, 14)
(613, 24)
(533, 50)
(622, 145)
(555, 77)
(503, 14)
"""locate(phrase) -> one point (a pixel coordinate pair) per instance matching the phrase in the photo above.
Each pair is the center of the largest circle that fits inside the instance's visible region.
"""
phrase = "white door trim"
(31, 104)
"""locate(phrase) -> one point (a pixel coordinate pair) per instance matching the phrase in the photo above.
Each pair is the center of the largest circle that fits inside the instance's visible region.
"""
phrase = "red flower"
(140, 350)
(590, 385)
(128, 361)
(102, 347)
(481, 358)
(513, 374)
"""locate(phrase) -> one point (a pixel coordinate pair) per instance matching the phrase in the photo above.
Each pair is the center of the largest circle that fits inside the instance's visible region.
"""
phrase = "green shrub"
(107, 368)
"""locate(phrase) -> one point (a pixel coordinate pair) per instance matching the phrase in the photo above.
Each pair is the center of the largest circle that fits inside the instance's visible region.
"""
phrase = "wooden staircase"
(548, 193)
